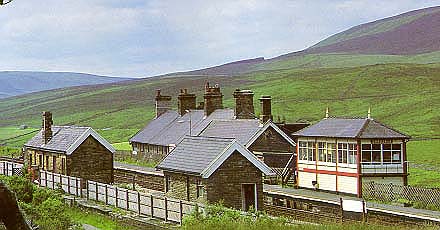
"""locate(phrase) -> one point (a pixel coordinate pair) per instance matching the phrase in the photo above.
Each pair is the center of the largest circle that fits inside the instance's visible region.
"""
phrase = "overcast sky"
(139, 38)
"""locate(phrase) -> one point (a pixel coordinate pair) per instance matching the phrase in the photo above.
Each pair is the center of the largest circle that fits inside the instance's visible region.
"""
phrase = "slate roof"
(350, 128)
(203, 155)
(170, 127)
(240, 129)
(65, 139)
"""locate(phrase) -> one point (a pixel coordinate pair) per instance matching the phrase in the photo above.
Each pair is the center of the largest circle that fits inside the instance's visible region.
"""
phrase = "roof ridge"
(367, 121)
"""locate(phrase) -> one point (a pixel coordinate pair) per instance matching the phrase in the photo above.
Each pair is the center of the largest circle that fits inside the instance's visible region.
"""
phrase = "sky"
(141, 38)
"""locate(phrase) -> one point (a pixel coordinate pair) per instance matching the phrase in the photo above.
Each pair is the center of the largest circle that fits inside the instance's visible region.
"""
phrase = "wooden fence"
(69, 184)
(11, 168)
(400, 193)
(164, 208)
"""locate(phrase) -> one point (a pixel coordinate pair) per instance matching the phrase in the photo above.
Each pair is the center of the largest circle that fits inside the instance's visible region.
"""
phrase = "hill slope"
(414, 32)
(20, 82)
(411, 37)
(404, 96)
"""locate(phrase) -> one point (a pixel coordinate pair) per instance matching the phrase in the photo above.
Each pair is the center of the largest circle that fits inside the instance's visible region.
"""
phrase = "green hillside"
(405, 96)
(312, 61)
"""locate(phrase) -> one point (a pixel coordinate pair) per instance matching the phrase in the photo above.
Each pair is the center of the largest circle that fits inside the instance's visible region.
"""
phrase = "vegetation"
(219, 217)
(7, 151)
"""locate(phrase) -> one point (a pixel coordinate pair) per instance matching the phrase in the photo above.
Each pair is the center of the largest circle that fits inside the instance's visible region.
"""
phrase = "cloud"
(144, 38)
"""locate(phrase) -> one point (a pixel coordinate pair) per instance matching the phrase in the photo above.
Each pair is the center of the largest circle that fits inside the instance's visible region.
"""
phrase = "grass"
(122, 146)
(80, 216)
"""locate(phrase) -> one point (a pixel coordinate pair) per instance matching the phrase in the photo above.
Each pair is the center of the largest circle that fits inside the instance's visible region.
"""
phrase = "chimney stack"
(47, 126)
(162, 103)
(266, 109)
(244, 104)
(186, 101)
(213, 99)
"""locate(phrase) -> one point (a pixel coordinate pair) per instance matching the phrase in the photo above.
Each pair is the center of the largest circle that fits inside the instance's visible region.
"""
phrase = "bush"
(51, 214)
(21, 186)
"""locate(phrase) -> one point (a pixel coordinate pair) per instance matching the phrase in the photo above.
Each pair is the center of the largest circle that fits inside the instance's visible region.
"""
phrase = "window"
(331, 152)
(40, 160)
(352, 153)
(342, 152)
(327, 152)
(54, 164)
(306, 151)
(47, 162)
(167, 183)
(200, 189)
(63, 166)
(347, 153)
(311, 151)
(30, 159)
(302, 150)
(322, 151)
(381, 153)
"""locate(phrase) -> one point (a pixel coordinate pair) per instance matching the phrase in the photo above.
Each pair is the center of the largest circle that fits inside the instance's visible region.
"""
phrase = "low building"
(207, 169)
(70, 150)
(260, 136)
(342, 154)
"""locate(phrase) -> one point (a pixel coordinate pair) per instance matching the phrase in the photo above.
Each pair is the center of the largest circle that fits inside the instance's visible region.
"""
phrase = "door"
(248, 196)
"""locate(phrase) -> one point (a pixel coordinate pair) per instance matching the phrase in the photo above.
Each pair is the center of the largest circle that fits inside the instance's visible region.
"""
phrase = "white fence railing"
(69, 184)
(9, 168)
(147, 204)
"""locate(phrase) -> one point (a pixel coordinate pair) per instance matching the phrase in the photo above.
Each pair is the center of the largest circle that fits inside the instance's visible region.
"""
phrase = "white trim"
(84, 136)
(268, 124)
(218, 161)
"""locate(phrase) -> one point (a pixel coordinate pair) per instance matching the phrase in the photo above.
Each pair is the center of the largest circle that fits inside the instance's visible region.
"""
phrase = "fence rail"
(69, 184)
(164, 208)
(10, 168)
(400, 193)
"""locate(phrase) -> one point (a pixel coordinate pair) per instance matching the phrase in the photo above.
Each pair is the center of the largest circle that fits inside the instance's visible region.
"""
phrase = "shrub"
(51, 214)
(21, 186)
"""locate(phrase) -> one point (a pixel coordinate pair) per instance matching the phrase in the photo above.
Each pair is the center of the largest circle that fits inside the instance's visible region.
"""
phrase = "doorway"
(249, 196)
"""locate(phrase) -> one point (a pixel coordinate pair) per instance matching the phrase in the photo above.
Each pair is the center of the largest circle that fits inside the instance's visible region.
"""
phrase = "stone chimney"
(266, 109)
(47, 126)
(244, 104)
(213, 99)
(163, 103)
(186, 101)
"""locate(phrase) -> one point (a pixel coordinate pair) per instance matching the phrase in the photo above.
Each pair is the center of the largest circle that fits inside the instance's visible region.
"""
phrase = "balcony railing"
(371, 168)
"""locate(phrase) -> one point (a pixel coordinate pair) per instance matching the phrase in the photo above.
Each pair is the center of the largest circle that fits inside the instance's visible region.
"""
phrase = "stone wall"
(226, 183)
(91, 161)
(154, 181)
(183, 187)
(270, 143)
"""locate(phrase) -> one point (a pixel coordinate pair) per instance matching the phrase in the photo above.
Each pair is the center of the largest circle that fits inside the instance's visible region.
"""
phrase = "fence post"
(126, 196)
(76, 183)
(139, 203)
(12, 172)
(166, 209)
(116, 193)
(53, 181)
(87, 189)
(68, 183)
(96, 190)
(106, 194)
(4, 168)
(180, 211)
(152, 205)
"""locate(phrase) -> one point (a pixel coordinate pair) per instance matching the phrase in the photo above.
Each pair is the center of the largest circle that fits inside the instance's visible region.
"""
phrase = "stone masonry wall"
(272, 142)
(152, 181)
(180, 186)
(91, 161)
(226, 183)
